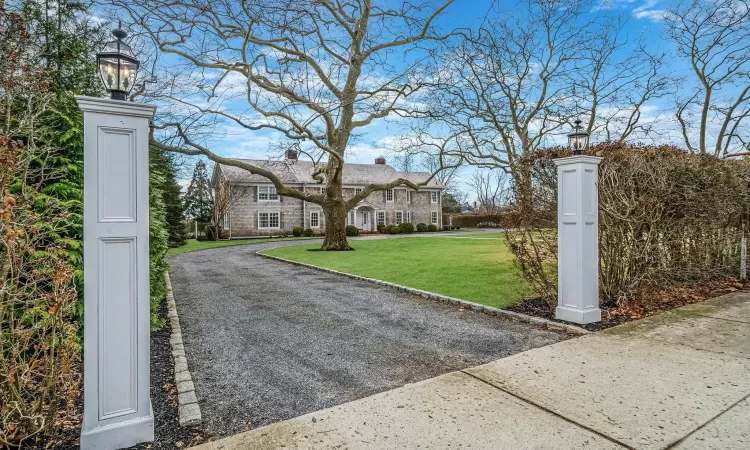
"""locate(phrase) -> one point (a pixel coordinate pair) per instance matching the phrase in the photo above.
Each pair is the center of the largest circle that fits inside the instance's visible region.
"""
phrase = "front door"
(365, 220)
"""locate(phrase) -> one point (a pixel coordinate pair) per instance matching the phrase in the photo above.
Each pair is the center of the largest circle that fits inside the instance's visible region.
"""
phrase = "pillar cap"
(578, 159)
(115, 107)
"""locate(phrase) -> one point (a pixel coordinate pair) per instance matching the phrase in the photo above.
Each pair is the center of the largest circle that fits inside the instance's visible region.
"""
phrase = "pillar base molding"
(578, 316)
(119, 435)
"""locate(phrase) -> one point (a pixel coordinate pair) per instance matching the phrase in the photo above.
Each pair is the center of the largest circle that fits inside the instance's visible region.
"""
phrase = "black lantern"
(117, 66)
(578, 139)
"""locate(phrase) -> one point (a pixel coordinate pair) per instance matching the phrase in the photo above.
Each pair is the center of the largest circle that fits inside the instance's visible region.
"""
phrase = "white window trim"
(437, 217)
(352, 218)
(377, 219)
(268, 200)
(408, 217)
(269, 220)
(317, 214)
(435, 195)
(225, 223)
(393, 195)
(358, 191)
(395, 217)
(408, 196)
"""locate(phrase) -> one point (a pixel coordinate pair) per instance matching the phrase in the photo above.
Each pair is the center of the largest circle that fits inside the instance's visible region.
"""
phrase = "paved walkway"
(267, 341)
(679, 380)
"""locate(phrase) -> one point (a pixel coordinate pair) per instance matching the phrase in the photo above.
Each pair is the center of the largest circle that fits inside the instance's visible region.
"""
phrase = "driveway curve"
(266, 341)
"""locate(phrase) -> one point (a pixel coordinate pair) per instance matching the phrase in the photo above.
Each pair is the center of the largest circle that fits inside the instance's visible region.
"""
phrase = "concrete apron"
(676, 380)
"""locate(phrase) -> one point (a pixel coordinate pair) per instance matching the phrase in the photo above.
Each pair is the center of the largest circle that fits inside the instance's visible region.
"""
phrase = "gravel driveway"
(267, 341)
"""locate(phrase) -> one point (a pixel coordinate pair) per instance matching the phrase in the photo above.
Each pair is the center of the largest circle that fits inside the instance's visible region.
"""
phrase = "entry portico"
(364, 216)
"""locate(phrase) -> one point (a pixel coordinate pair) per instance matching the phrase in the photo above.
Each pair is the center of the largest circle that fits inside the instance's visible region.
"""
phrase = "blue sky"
(378, 139)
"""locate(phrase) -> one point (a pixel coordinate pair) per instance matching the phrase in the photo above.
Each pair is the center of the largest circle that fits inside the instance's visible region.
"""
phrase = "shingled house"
(255, 208)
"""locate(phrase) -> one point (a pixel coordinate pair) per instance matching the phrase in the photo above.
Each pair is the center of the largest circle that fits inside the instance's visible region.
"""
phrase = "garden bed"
(169, 434)
(635, 309)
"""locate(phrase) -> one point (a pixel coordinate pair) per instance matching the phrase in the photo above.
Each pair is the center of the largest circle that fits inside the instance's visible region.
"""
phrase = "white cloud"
(646, 11)
(655, 15)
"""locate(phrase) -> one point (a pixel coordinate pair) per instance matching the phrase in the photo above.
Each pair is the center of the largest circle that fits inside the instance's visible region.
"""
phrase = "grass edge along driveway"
(193, 245)
(477, 270)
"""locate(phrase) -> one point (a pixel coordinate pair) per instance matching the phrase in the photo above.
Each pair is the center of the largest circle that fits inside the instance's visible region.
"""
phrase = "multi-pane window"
(433, 197)
(314, 219)
(357, 191)
(381, 217)
(226, 221)
(268, 220)
(352, 220)
(408, 196)
(322, 191)
(267, 194)
(434, 217)
(399, 217)
(389, 195)
(408, 217)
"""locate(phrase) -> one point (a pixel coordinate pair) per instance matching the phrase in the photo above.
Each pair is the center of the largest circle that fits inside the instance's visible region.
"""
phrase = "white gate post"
(578, 239)
(117, 406)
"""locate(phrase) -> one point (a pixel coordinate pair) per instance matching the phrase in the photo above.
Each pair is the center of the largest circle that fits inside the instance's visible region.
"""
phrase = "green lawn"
(474, 269)
(193, 245)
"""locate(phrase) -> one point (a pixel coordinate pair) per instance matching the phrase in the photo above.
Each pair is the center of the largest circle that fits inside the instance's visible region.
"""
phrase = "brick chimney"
(380, 161)
(291, 155)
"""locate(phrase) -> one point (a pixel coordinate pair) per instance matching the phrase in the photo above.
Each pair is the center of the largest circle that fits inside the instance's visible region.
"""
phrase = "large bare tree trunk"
(334, 207)
(335, 214)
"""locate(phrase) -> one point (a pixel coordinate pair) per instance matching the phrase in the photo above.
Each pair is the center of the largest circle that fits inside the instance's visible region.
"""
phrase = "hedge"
(666, 217)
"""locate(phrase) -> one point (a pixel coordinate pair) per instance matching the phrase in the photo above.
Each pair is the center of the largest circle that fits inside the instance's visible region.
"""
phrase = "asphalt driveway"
(267, 341)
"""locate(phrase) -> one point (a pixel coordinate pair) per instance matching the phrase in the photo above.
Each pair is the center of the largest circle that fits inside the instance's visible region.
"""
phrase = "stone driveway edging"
(189, 411)
(537, 321)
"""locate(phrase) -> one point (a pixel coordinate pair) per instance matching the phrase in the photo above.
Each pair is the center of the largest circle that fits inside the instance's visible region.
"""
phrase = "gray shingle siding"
(245, 209)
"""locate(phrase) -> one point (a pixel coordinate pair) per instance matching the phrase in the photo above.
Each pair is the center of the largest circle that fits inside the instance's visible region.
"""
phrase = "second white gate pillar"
(578, 239)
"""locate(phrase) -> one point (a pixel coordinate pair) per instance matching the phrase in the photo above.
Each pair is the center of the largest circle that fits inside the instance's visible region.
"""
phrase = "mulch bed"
(638, 308)
(167, 430)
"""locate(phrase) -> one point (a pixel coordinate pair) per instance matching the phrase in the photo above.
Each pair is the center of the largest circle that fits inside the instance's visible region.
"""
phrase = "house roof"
(299, 172)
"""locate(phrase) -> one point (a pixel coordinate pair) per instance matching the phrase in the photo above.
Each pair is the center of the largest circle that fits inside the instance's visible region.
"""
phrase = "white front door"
(364, 221)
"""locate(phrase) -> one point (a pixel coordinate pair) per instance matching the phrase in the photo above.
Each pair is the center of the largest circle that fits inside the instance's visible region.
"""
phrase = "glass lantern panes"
(578, 139)
(118, 66)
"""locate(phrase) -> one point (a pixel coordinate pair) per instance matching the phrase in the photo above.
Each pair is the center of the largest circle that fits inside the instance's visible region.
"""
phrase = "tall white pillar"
(116, 403)
(578, 239)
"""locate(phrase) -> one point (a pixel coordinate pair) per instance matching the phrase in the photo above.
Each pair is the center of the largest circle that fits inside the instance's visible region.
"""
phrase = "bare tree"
(614, 89)
(491, 189)
(225, 196)
(516, 84)
(507, 87)
(315, 72)
(714, 37)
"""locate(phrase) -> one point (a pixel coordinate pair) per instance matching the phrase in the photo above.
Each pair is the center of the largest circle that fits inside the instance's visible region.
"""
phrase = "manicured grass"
(478, 270)
(193, 245)
(499, 235)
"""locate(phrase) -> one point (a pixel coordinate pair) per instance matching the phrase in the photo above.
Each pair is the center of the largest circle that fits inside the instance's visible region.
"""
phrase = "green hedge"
(351, 230)
(406, 228)
(476, 220)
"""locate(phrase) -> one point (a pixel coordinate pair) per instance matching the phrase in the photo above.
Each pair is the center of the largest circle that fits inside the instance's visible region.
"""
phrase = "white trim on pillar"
(578, 239)
(117, 407)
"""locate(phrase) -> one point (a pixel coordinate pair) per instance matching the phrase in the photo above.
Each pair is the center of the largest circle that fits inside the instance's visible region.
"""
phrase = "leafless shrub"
(666, 217)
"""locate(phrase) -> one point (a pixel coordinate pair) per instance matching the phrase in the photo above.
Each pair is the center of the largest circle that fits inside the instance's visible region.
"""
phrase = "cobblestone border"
(189, 411)
(537, 321)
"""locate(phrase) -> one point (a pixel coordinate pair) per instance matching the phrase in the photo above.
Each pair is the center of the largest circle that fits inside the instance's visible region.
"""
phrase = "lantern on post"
(578, 139)
(117, 66)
